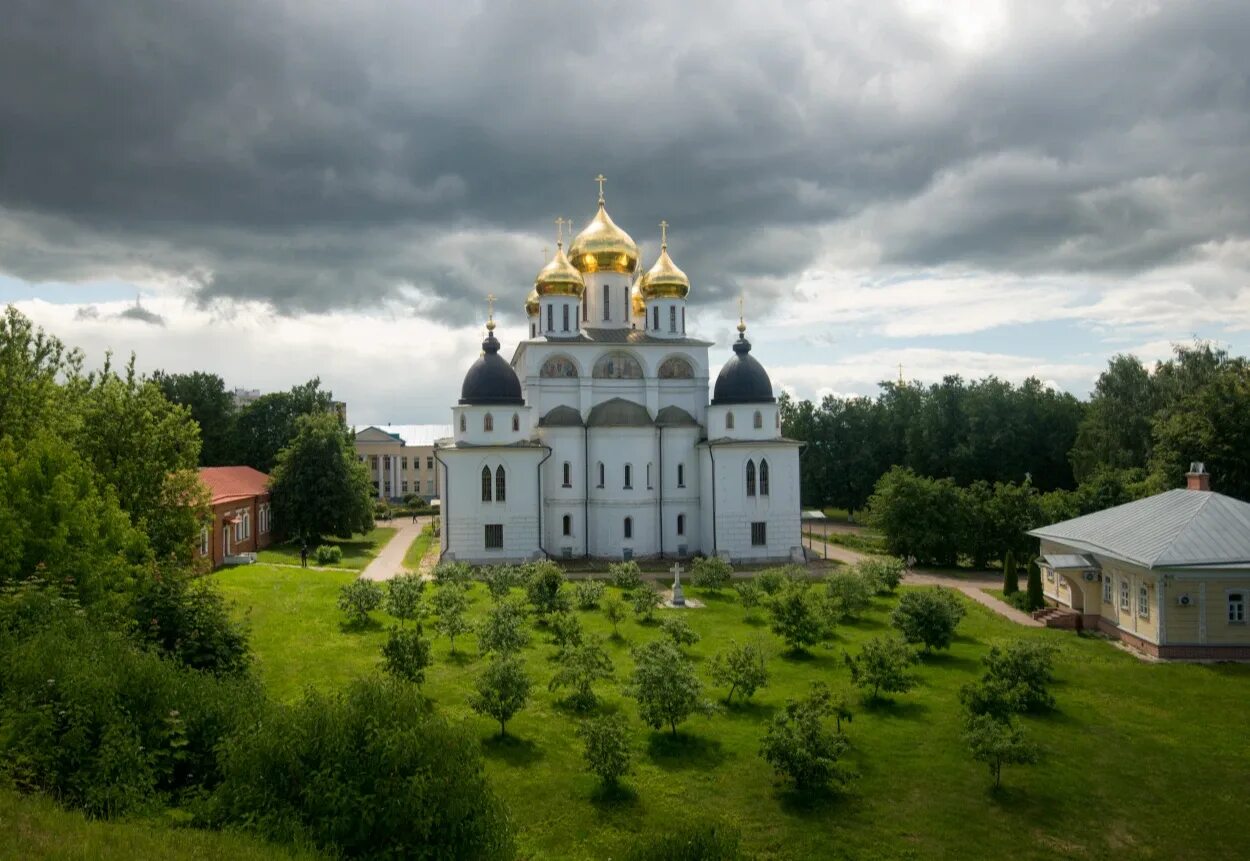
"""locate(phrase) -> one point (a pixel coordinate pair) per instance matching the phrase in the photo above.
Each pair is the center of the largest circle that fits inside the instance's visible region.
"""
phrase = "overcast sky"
(323, 188)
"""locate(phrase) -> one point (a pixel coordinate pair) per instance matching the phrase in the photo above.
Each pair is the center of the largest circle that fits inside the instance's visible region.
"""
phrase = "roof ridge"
(1185, 527)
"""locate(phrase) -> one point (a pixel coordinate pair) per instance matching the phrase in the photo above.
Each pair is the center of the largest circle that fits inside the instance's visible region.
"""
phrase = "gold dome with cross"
(559, 277)
(664, 280)
(602, 246)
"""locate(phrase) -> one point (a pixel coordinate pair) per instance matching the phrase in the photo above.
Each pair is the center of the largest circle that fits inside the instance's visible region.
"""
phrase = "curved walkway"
(390, 559)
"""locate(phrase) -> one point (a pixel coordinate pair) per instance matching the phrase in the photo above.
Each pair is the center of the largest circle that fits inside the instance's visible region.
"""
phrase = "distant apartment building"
(400, 459)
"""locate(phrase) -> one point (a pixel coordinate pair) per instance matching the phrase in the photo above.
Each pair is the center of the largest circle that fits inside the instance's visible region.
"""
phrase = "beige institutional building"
(400, 459)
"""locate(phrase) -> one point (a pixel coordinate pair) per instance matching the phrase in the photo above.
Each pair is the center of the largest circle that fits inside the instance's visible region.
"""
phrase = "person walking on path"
(303, 554)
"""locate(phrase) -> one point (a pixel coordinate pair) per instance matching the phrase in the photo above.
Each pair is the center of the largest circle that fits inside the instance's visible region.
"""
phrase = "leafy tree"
(271, 423)
(187, 619)
(406, 654)
(799, 617)
(606, 747)
(679, 631)
(403, 597)
(626, 576)
(849, 594)
(665, 685)
(582, 665)
(499, 579)
(211, 406)
(749, 595)
(503, 629)
(358, 599)
(1212, 425)
(742, 667)
(998, 743)
(566, 631)
(883, 664)
(457, 573)
(588, 594)
(771, 580)
(451, 605)
(318, 486)
(840, 706)
(800, 746)
(1037, 598)
(501, 690)
(920, 517)
(884, 573)
(614, 612)
(1115, 431)
(929, 617)
(545, 589)
(1011, 575)
(38, 375)
(1016, 679)
(712, 573)
(645, 599)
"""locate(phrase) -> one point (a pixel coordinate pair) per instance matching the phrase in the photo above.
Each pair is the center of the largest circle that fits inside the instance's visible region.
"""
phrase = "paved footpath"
(390, 559)
(971, 584)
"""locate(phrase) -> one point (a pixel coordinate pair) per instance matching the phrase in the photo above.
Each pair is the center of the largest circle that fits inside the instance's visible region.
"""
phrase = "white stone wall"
(465, 515)
(619, 304)
(743, 421)
(736, 511)
(672, 320)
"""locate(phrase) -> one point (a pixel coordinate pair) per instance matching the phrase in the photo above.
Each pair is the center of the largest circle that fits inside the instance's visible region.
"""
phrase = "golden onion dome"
(531, 303)
(637, 303)
(664, 280)
(559, 277)
(603, 246)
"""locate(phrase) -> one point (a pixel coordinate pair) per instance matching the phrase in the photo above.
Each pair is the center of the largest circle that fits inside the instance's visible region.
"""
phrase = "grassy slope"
(1141, 760)
(34, 827)
(358, 551)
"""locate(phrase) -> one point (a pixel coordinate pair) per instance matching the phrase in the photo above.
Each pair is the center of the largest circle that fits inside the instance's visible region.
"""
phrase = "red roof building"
(242, 518)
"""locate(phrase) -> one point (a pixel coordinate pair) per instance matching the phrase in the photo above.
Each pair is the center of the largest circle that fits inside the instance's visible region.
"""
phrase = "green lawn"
(358, 551)
(35, 827)
(866, 541)
(416, 550)
(1141, 760)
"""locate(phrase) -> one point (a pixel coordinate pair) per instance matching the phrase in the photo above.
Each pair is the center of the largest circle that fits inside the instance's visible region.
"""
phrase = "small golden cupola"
(531, 303)
(602, 246)
(664, 280)
(559, 277)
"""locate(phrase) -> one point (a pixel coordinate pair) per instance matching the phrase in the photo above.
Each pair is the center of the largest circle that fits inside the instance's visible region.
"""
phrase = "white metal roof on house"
(1068, 561)
(416, 435)
(1178, 528)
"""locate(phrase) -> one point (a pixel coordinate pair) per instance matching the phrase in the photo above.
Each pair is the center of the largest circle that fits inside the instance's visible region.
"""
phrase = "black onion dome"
(743, 380)
(491, 380)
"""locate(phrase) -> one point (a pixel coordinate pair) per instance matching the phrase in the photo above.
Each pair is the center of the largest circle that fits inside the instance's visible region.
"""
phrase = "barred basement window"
(494, 536)
(759, 534)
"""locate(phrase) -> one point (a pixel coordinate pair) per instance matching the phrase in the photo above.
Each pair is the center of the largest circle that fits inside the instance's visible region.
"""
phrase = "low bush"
(371, 771)
(188, 620)
(884, 572)
(501, 579)
(328, 554)
(588, 594)
(406, 654)
(358, 599)
(771, 580)
(625, 575)
(460, 573)
(712, 572)
(849, 594)
(928, 617)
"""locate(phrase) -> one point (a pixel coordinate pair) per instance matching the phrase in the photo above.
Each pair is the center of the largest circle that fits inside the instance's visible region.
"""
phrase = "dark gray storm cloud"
(321, 155)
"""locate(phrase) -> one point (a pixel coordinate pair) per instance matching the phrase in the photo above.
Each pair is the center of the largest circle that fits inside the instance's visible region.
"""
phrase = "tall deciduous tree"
(34, 368)
(318, 486)
(665, 685)
(1116, 429)
(268, 425)
(501, 690)
(211, 406)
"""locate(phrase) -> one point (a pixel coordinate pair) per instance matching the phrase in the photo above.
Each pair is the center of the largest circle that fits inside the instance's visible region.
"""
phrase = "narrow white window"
(1106, 589)
(1124, 595)
(1143, 602)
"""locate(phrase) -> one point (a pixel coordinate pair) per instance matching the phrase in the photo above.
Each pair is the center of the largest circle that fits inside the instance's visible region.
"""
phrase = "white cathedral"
(598, 439)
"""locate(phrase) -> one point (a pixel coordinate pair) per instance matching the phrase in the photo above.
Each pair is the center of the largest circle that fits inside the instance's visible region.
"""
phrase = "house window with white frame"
(1143, 602)
(1106, 589)
(1124, 595)
(1237, 608)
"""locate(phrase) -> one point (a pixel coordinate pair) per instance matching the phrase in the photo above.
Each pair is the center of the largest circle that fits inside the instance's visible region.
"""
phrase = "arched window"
(617, 366)
(568, 474)
(655, 318)
(648, 476)
(750, 478)
(607, 302)
(601, 473)
(463, 424)
(488, 423)
(567, 525)
(247, 524)
(629, 527)
(516, 422)
(629, 475)
(500, 489)
(675, 368)
(763, 478)
(550, 317)
(565, 316)
(683, 321)
(759, 420)
(486, 484)
(672, 318)
(681, 524)
(681, 475)
(558, 366)
(729, 421)
(533, 330)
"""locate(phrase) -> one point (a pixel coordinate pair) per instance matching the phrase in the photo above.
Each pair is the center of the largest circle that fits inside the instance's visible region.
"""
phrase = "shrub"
(665, 685)
(1015, 680)
(358, 599)
(712, 572)
(403, 597)
(694, 841)
(1011, 576)
(503, 629)
(798, 617)
(500, 579)
(450, 606)
(581, 666)
(997, 743)
(368, 771)
(588, 594)
(328, 554)
(928, 616)
(884, 572)
(625, 575)
(614, 612)
(884, 664)
(458, 573)
(848, 593)
(190, 621)
(799, 745)
(645, 599)
(1019, 600)
(741, 667)
(749, 595)
(679, 631)
(1037, 598)
(771, 580)
(566, 631)
(544, 586)
(501, 690)
(606, 747)
(406, 654)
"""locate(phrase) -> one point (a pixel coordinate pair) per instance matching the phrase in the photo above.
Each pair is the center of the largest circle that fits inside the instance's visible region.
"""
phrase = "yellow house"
(1168, 575)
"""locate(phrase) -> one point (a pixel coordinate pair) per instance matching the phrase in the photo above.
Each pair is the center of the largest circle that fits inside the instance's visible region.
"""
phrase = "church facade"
(599, 438)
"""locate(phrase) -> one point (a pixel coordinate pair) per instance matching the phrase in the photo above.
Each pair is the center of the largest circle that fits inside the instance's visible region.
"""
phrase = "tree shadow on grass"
(946, 660)
(511, 750)
(894, 708)
(748, 710)
(358, 627)
(460, 658)
(684, 751)
(754, 621)
(810, 803)
(614, 797)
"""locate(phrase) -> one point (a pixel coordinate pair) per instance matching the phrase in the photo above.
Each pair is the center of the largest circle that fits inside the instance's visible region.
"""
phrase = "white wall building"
(599, 438)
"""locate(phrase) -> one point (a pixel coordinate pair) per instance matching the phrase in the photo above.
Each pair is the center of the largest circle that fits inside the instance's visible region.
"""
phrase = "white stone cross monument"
(679, 600)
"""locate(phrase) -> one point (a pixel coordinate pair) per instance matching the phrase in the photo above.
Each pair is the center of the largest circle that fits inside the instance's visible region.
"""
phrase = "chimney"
(1197, 478)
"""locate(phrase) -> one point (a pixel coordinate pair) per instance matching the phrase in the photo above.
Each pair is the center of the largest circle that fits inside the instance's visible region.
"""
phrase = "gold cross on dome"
(490, 303)
(663, 234)
(601, 179)
(559, 232)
